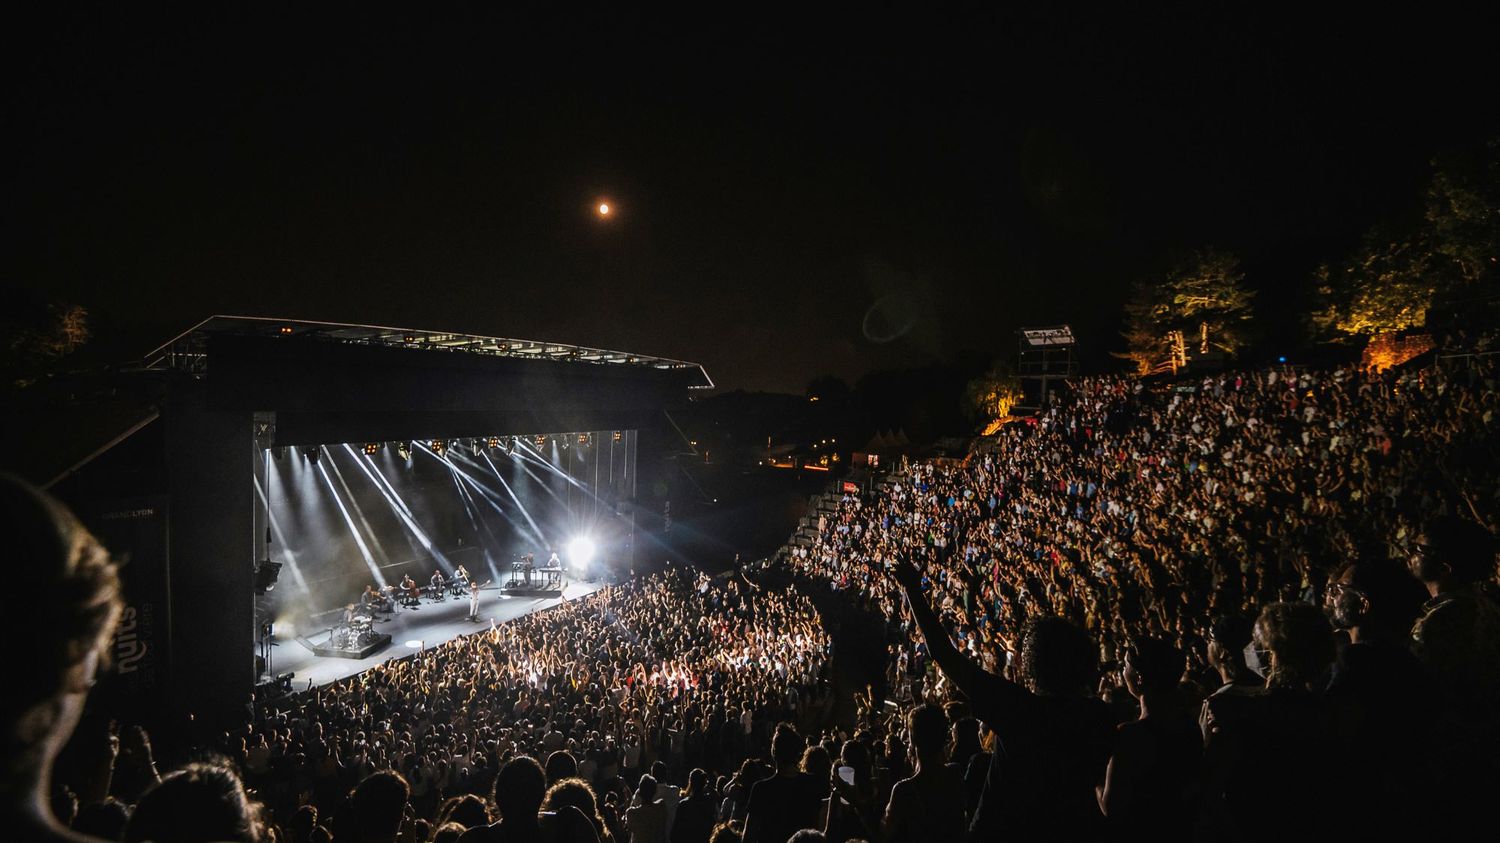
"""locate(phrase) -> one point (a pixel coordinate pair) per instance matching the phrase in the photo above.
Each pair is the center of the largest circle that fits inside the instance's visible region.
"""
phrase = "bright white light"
(604, 209)
(580, 552)
(414, 644)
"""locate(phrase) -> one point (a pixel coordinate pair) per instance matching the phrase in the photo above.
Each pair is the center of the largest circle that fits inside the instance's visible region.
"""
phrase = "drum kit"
(359, 631)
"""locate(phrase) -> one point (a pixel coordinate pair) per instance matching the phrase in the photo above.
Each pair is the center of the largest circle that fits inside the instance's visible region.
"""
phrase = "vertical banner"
(135, 532)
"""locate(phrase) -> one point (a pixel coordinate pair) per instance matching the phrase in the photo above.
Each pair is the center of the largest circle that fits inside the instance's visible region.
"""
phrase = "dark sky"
(777, 176)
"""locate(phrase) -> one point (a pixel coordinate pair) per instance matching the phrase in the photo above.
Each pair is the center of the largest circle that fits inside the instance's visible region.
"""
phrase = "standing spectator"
(647, 821)
(929, 806)
(1268, 754)
(1054, 738)
(1381, 696)
(1457, 638)
(376, 809)
(206, 803)
(695, 814)
(1149, 786)
(787, 802)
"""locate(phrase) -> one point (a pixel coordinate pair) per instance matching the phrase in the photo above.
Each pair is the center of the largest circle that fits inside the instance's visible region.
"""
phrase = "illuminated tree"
(991, 395)
(1202, 304)
(1390, 283)
(1387, 286)
(1208, 301)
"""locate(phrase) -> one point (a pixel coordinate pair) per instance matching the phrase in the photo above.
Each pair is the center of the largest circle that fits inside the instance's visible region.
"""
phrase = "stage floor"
(432, 624)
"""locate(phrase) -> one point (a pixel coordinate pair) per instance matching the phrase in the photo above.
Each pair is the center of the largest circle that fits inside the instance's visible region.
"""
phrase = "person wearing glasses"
(1457, 639)
(1380, 695)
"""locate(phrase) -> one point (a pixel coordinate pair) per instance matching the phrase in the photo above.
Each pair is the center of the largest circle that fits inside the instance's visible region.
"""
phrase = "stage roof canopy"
(188, 351)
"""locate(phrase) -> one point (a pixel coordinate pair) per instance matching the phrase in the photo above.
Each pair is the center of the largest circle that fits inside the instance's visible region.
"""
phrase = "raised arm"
(984, 689)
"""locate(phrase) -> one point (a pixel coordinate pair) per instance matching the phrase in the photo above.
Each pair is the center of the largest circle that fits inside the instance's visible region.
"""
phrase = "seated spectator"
(68, 579)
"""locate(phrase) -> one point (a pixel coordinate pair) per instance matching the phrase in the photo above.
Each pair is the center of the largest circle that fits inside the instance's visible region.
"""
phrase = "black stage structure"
(180, 463)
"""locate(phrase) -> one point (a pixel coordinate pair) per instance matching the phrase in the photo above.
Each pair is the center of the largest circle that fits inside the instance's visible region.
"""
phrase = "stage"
(432, 624)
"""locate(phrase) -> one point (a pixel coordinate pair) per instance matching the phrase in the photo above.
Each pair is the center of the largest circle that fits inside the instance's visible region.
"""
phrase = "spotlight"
(285, 329)
(265, 575)
(583, 438)
(372, 448)
(619, 436)
(414, 644)
(580, 553)
(439, 446)
(312, 453)
(403, 450)
(409, 339)
(541, 441)
(493, 442)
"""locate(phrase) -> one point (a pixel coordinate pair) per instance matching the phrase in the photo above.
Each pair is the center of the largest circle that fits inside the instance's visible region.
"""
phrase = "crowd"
(1201, 523)
(1262, 603)
(1130, 512)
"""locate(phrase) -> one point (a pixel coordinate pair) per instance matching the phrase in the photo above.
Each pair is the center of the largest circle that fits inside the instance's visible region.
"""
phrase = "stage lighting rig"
(541, 441)
(372, 448)
(439, 446)
(265, 575)
(493, 442)
(619, 436)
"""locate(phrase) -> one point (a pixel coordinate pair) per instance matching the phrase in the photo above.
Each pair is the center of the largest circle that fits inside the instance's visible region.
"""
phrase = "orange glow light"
(604, 209)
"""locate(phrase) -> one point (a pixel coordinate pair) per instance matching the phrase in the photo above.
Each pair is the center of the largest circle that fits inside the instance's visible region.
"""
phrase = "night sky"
(796, 196)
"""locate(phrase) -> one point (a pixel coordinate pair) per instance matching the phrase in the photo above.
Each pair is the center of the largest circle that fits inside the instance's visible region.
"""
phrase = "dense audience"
(1260, 603)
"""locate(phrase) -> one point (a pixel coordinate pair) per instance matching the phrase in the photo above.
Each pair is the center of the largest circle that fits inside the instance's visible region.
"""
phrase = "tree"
(38, 336)
(1209, 301)
(1201, 304)
(1391, 281)
(1146, 344)
(1463, 212)
(1387, 285)
(990, 396)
